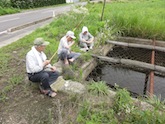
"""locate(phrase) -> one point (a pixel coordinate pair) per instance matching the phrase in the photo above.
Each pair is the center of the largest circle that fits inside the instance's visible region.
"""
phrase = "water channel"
(130, 78)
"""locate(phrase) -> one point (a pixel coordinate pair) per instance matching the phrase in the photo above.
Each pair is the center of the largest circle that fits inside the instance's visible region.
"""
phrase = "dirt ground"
(24, 104)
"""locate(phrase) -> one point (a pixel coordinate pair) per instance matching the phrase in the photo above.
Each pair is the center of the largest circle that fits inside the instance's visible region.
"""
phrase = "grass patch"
(4, 11)
(123, 18)
(98, 88)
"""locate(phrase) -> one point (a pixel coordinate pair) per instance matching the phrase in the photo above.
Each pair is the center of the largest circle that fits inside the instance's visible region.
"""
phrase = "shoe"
(51, 93)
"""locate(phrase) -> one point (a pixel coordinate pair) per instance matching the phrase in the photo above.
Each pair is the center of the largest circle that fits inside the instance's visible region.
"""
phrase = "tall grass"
(139, 19)
(4, 11)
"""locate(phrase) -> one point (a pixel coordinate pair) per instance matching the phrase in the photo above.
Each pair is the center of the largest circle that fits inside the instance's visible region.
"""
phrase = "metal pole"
(151, 86)
(145, 83)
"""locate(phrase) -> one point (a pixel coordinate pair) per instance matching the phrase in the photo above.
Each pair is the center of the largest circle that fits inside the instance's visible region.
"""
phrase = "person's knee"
(63, 54)
(77, 54)
(45, 76)
(56, 73)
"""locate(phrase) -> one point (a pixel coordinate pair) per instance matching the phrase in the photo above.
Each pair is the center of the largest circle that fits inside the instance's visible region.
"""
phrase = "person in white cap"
(64, 49)
(86, 39)
(36, 62)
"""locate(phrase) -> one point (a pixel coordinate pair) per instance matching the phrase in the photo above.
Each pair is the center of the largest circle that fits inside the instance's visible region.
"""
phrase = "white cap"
(84, 29)
(70, 34)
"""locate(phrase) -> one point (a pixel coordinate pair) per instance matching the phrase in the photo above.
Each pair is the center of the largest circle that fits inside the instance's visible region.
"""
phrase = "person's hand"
(90, 41)
(53, 68)
(73, 42)
(85, 41)
(46, 62)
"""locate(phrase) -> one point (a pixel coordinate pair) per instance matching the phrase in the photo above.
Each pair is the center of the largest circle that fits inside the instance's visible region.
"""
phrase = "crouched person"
(36, 62)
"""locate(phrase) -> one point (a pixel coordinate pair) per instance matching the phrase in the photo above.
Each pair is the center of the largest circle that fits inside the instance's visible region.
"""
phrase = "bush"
(25, 4)
(5, 3)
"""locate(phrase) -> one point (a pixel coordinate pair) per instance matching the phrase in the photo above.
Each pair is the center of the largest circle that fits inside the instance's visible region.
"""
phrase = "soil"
(24, 104)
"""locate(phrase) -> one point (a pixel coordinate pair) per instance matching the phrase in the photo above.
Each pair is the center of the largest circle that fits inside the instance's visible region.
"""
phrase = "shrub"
(25, 4)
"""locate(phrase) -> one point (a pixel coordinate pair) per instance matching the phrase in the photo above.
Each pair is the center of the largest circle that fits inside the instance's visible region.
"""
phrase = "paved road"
(15, 26)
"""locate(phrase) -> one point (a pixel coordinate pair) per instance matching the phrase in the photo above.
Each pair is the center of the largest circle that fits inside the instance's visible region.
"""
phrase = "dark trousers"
(64, 55)
(46, 78)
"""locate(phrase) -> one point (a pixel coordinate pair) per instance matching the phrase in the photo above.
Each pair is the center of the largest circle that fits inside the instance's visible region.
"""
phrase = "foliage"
(4, 10)
(100, 114)
(157, 102)
(123, 101)
(25, 4)
(98, 88)
(145, 117)
(139, 20)
(107, 33)
(5, 3)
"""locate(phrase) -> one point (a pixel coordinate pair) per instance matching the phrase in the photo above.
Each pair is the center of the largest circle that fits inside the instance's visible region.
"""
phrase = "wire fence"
(134, 79)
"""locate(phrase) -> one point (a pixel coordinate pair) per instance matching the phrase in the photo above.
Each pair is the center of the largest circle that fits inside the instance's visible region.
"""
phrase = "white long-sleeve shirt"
(34, 63)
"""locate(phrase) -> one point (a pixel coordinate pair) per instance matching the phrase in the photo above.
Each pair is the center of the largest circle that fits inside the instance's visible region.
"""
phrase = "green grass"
(139, 19)
(98, 88)
(4, 11)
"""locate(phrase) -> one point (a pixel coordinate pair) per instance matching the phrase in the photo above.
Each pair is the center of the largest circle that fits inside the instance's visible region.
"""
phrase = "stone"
(73, 87)
(67, 86)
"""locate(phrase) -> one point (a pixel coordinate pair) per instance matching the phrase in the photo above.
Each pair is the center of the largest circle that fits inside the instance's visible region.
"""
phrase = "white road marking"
(48, 11)
(9, 20)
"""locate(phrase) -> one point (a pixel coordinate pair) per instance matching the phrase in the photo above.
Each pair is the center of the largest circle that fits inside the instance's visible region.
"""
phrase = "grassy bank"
(143, 19)
(121, 18)
(4, 11)
(117, 20)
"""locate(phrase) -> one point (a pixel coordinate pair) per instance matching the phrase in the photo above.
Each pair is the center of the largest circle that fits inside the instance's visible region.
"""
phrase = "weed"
(157, 102)
(16, 79)
(123, 101)
(98, 88)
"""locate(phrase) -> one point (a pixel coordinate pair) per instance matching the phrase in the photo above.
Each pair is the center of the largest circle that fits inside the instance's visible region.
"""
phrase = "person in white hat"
(64, 49)
(36, 62)
(86, 39)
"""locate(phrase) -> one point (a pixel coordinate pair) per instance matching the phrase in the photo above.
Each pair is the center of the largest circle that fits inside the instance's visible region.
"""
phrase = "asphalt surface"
(16, 26)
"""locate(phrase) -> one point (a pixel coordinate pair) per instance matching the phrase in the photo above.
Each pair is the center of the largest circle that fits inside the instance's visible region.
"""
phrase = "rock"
(67, 86)
(73, 87)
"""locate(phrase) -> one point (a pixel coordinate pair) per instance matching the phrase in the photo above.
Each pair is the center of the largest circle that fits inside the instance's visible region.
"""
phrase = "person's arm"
(71, 44)
(81, 38)
(67, 44)
(90, 37)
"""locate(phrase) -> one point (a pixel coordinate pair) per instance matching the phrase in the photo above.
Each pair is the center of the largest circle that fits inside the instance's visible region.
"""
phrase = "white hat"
(84, 29)
(70, 34)
(40, 42)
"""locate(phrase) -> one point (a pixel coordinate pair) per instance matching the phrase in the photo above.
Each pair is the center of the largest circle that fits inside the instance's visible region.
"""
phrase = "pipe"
(151, 85)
